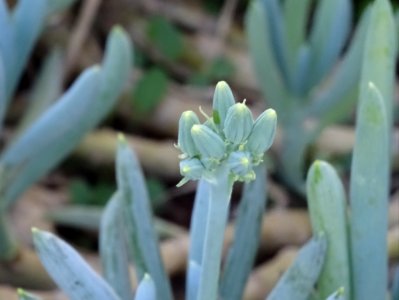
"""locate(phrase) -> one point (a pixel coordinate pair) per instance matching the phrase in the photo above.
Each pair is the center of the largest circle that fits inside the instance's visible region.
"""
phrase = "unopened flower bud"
(184, 140)
(223, 99)
(240, 163)
(263, 132)
(208, 143)
(191, 168)
(238, 123)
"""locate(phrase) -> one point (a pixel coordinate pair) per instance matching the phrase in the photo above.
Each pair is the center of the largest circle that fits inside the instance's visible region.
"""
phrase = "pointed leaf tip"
(121, 138)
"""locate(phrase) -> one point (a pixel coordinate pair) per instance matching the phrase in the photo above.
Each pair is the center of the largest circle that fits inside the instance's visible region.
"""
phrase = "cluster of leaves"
(297, 70)
(50, 129)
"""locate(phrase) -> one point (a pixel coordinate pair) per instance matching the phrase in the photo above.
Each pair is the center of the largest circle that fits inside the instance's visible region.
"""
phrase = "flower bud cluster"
(230, 138)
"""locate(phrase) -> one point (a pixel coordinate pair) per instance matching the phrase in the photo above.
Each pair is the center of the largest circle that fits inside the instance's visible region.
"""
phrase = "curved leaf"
(299, 280)
(61, 127)
(113, 248)
(68, 269)
(136, 207)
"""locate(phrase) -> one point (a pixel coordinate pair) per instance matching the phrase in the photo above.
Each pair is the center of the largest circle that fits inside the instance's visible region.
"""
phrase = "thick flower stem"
(219, 200)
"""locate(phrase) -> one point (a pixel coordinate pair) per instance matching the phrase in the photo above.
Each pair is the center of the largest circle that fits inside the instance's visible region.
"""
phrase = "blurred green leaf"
(81, 192)
(166, 37)
(221, 68)
(157, 192)
(150, 90)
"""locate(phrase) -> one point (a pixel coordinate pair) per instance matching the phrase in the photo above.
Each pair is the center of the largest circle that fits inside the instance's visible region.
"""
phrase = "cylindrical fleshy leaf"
(263, 132)
(184, 140)
(222, 100)
(208, 143)
(146, 289)
(238, 123)
(240, 163)
(191, 168)
(328, 214)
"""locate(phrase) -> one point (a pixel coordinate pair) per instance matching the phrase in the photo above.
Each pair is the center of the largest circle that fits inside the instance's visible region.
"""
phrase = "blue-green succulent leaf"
(51, 137)
(329, 33)
(193, 279)
(369, 184)
(117, 65)
(296, 14)
(6, 47)
(113, 248)
(340, 95)
(146, 289)
(137, 211)
(268, 75)
(241, 255)
(369, 190)
(278, 39)
(46, 90)
(380, 52)
(68, 269)
(28, 21)
(302, 66)
(299, 280)
(328, 214)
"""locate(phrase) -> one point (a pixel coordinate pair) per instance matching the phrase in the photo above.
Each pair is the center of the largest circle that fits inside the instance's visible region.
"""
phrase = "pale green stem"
(220, 193)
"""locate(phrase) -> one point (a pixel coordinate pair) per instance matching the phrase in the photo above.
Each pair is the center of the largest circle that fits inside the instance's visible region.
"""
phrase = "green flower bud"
(208, 143)
(184, 139)
(238, 123)
(222, 100)
(191, 168)
(263, 132)
(240, 163)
